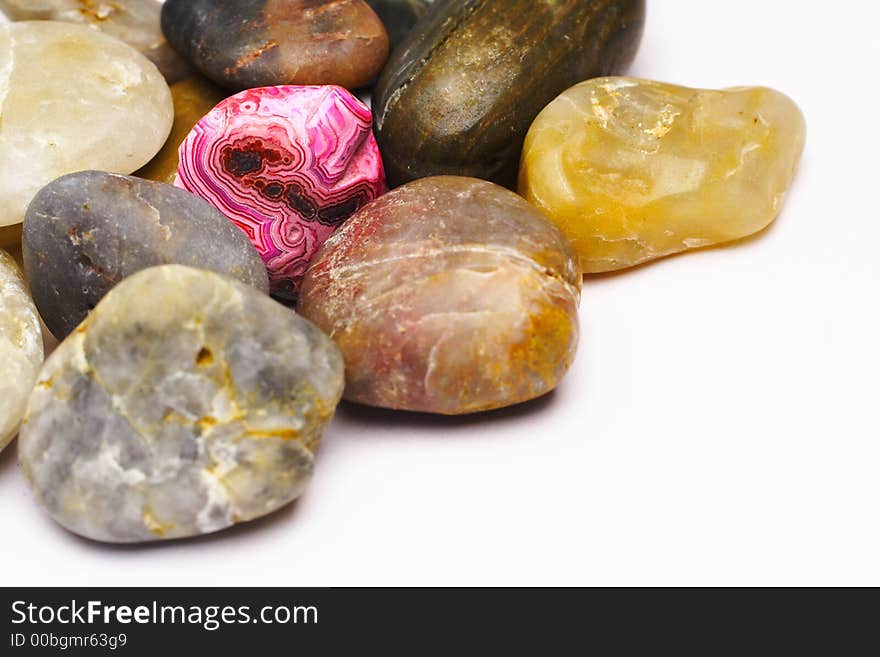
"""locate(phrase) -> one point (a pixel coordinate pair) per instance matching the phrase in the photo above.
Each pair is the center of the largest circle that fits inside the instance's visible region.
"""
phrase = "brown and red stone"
(258, 43)
(447, 295)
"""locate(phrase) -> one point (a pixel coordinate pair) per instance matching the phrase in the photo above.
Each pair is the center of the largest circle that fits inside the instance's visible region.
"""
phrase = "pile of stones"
(199, 195)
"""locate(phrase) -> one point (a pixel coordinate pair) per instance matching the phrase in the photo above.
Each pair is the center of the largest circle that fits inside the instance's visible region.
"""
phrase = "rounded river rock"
(185, 403)
(21, 347)
(459, 93)
(73, 98)
(262, 43)
(87, 231)
(447, 295)
(633, 170)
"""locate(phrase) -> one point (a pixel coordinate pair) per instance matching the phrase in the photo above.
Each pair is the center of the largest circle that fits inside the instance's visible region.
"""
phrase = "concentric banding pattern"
(288, 165)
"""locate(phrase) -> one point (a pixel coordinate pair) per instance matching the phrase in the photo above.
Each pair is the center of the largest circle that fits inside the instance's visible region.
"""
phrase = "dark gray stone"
(85, 232)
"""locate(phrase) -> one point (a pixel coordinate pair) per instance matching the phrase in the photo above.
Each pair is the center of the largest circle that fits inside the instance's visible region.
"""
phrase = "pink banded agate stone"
(288, 165)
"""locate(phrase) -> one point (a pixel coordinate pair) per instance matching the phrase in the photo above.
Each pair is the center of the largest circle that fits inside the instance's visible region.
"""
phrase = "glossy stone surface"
(633, 170)
(85, 232)
(447, 295)
(257, 43)
(399, 16)
(459, 94)
(193, 98)
(186, 403)
(21, 348)
(10, 235)
(73, 98)
(287, 165)
(134, 21)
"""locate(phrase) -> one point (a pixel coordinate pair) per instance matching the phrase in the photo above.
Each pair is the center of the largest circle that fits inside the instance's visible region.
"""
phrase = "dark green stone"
(460, 92)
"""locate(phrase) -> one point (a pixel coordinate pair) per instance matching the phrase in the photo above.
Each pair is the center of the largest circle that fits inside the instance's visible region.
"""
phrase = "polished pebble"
(261, 43)
(73, 98)
(633, 170)
(134, 21)
(185, 403)
(288, 165)
(458, 96)
(21, 347)
(447, 295)
(87, 231)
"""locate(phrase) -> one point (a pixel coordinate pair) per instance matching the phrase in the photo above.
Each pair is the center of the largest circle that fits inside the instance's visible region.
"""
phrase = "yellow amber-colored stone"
(633, 170)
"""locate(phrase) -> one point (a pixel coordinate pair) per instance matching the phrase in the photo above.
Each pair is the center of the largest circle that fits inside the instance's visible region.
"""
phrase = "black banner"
(415, 621)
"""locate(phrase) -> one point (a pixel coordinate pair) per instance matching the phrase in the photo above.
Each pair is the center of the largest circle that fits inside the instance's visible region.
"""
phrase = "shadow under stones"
(372, 417)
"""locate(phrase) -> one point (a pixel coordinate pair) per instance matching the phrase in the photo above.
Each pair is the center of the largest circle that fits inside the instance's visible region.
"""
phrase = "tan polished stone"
(73, 98)
(633, 170)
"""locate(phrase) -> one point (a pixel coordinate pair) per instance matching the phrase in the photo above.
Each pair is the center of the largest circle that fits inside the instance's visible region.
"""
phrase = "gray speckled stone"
(85, 232)
(185, 403)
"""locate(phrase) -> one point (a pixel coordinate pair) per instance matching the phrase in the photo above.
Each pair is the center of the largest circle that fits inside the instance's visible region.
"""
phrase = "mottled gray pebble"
(185, 403)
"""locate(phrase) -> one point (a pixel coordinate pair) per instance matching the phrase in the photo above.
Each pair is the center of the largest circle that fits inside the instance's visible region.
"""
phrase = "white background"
(718, 427)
